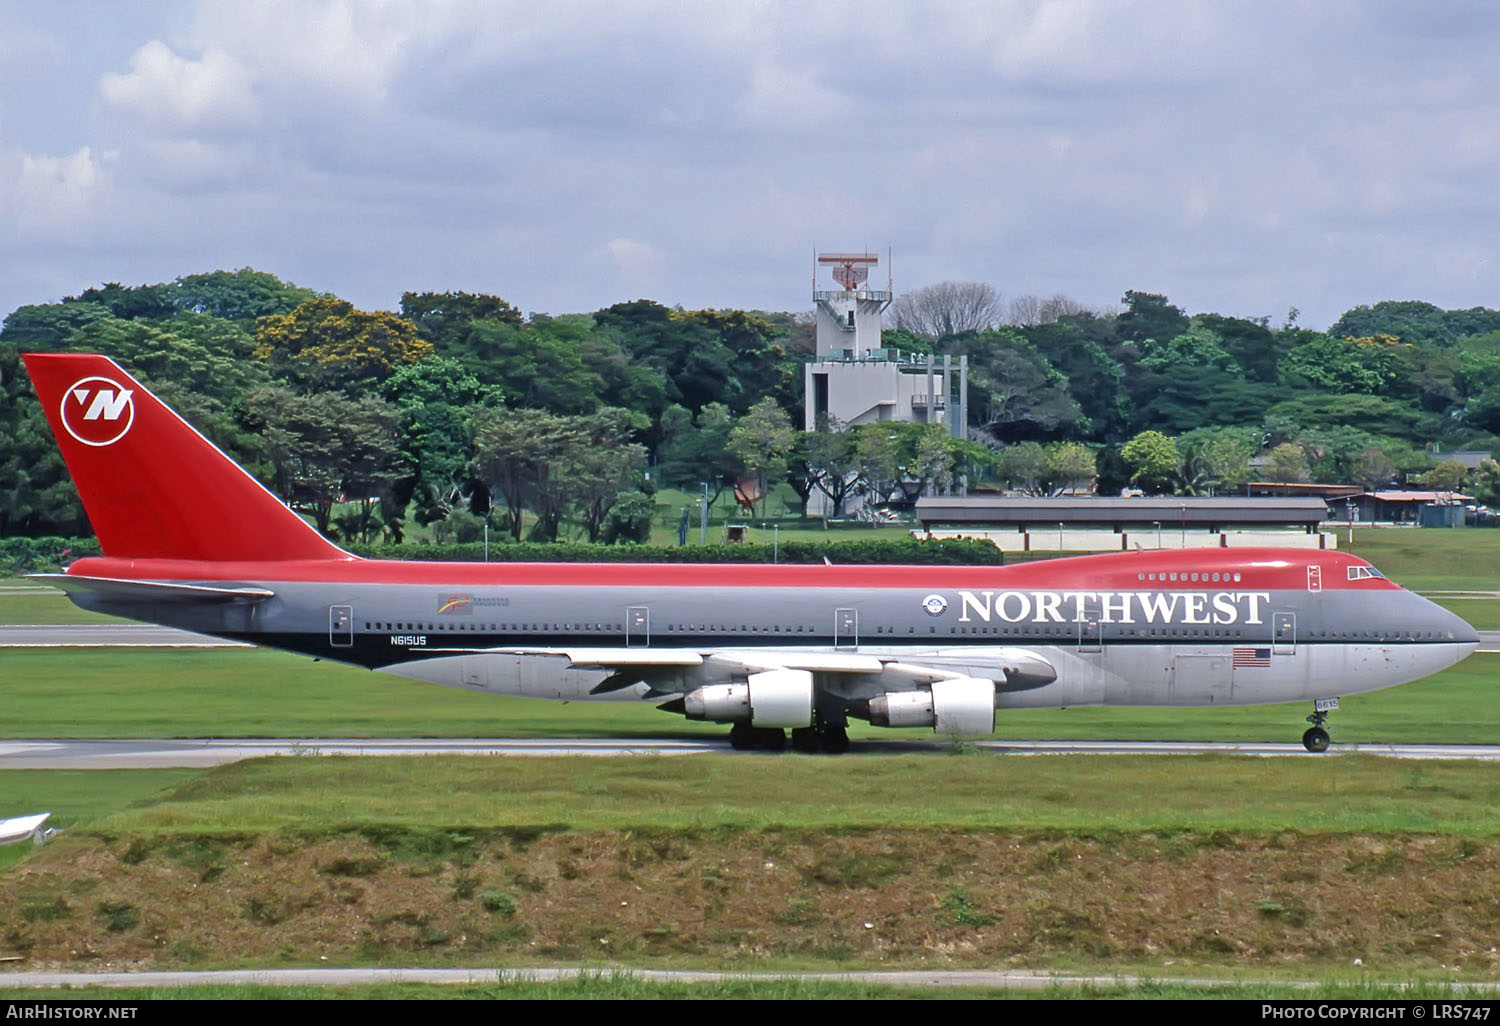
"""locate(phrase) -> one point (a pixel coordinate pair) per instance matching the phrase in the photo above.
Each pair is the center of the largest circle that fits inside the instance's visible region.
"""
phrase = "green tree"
(1015, 394)
(1365, 365)
(1370, 413)
(541, 364)
(521, 456)
(243, 295)
(603, 467)
(686, 350)
(325, 450)
(1250, 343)
(1447, 476)
(879, 466)
(1486, 484)
(1023, 467)
(1070, 465)
(151, 302)
(1215, 459)
(1196, 348)
(434, 397)
(37, 496)
(833, 462)
(1035, 469)
(1373, 469)
(1287, 462)
(761, 440)
(1402, 320)
(445, 318)
(1153, 460)
(1095, 379)
(553, 464)
(1148, 315)
(48, 326)
(933, 462)
(694, 453)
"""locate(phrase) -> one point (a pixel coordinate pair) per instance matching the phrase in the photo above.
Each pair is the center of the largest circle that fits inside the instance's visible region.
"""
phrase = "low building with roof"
(1428, 509)
(1096, 524)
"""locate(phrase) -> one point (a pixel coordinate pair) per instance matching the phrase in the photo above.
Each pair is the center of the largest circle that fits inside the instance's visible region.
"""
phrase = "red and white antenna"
(850, 270)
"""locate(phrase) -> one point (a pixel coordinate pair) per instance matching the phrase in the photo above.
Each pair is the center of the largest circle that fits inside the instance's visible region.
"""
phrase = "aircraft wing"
(151, 591)
(1010, 669)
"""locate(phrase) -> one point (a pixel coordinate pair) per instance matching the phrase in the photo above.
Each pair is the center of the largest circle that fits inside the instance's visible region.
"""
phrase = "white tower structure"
(854, 379)
(848, 318)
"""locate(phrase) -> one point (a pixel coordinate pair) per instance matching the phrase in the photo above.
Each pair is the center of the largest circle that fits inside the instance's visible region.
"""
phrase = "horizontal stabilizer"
(120, 589)
(21, 827)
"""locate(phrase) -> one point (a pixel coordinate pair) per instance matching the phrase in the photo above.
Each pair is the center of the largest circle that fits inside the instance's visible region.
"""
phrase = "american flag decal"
(1252, 657)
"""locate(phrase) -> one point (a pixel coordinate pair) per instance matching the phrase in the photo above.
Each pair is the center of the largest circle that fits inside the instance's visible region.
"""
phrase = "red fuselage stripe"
(1277, 569)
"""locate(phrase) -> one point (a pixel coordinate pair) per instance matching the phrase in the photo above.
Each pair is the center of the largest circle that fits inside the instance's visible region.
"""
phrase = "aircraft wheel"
(834, 740)
(805, 739)
(772, 739)
(742, 737)
(1315, 740)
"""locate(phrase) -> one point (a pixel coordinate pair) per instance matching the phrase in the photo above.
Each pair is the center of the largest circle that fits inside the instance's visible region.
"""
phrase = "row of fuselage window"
(1038, 630)
(1202, 577)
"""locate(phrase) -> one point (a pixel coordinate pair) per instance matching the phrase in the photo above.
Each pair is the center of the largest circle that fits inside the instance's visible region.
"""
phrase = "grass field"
(435, 796)
(95, 693)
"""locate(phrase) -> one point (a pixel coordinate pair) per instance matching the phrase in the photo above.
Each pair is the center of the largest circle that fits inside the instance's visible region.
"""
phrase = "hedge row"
(42, 555)
(895, 550)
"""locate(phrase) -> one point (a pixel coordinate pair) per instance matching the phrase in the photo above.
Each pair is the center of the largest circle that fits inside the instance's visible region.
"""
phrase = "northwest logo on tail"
(98, 411)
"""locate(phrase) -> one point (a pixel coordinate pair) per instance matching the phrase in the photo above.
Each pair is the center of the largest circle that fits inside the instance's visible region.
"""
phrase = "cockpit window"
(1362, 573)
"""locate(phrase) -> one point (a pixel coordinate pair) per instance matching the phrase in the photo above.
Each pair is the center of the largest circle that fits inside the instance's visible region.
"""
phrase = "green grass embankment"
(1132, 864)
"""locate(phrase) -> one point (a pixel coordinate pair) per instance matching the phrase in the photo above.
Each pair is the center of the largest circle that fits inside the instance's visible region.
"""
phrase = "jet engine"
(962, 707)
(771, 698)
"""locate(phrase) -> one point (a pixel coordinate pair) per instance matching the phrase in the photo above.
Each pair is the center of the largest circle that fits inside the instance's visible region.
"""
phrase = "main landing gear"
(825, 735)
(1316, 739)
(829, 732)
(743, 738)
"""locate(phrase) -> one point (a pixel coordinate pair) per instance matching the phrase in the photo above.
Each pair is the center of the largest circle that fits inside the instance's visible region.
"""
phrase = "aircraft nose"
(1456, 627)
(1463, 632)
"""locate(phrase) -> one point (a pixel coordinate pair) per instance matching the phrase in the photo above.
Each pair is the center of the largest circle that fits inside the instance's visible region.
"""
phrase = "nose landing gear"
(1316, 739)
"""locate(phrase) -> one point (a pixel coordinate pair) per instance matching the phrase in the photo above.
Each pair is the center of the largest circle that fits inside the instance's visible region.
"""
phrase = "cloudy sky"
(1243, 158)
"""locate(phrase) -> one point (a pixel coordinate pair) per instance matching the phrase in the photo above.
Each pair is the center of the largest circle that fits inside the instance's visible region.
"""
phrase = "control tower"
(854, 379)
(848, 318)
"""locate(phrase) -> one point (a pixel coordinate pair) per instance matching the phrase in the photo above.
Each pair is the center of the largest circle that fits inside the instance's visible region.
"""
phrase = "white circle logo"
(934, 605)
(98, 411)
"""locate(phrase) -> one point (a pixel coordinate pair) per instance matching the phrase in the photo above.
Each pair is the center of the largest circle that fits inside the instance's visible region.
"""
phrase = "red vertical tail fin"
(154, 487)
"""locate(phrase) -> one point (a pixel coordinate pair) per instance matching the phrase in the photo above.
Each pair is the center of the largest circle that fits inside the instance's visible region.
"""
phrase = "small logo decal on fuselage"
(97, 411)
(934, 605)
(455, 605)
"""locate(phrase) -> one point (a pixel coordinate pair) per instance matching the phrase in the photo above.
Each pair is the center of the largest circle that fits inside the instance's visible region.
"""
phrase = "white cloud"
(173, 92)
(50, 197)
(337, 52)
(635, 261)
(781, 99)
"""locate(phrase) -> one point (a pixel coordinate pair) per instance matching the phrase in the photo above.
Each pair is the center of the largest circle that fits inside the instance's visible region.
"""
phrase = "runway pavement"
(1001, 979)
(105, 635)
(64, 753)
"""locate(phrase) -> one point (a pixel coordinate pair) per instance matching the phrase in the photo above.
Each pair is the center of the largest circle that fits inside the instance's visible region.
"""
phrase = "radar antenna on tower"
(850, 270)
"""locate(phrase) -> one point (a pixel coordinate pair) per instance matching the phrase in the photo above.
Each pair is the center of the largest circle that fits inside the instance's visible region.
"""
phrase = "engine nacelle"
(961, 707)
(772, 698)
